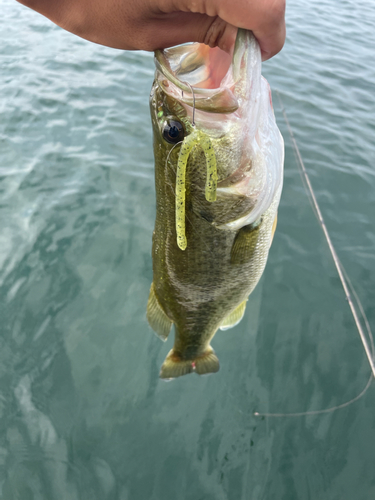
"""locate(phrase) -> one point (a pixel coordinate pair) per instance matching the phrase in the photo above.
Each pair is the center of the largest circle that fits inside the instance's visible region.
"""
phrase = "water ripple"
(83, 415)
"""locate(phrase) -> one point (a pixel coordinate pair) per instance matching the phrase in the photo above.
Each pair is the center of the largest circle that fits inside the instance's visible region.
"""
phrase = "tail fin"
(174, 366)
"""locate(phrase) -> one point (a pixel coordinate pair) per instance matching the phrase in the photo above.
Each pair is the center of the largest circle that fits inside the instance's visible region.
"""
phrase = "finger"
(266, 18)
(271, 42)
(269, 28)
(176, 28)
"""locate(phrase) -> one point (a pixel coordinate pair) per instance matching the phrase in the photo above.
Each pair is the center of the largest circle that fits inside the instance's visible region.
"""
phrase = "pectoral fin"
(245, 244)
(156, 317)
(234, 317)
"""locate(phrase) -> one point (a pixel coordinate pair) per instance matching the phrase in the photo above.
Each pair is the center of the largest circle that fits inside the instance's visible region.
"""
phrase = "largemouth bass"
(218, 174)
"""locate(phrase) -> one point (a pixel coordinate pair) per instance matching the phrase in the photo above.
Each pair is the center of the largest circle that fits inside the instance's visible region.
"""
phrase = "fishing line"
(345, 281)
(193, 120)
(170, 151)
(193, 94)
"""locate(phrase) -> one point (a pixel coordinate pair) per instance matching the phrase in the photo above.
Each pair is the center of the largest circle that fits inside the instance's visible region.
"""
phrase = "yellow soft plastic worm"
(211, 180)
(196, 137)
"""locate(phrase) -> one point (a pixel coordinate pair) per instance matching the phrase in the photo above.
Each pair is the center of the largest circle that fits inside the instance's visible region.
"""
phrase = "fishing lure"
(197, 137)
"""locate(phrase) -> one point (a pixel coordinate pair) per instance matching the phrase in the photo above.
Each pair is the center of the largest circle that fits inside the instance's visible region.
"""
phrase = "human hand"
(157, 24)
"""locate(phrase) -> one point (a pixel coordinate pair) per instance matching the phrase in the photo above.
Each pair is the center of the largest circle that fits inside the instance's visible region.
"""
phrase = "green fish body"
(218, 178)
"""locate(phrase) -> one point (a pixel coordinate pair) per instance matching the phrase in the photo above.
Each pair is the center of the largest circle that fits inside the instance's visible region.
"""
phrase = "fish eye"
(173, 131)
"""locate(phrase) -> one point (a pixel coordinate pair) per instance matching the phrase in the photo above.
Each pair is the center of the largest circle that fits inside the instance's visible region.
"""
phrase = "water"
(83, 413)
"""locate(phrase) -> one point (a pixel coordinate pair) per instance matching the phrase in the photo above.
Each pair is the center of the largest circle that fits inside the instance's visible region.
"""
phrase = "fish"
(219, 159)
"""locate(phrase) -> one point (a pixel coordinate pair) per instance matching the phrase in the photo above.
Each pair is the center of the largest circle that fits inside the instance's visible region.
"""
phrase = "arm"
(153, 24)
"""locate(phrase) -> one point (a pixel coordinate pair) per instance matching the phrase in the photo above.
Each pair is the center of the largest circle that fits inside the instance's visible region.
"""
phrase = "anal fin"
(234, 317)
(156, 317)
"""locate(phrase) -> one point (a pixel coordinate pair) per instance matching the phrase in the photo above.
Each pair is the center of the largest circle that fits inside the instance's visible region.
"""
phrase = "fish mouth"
(208, 78)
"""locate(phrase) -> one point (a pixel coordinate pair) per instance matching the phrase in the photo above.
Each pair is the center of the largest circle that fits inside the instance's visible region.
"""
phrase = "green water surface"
(83, 414)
